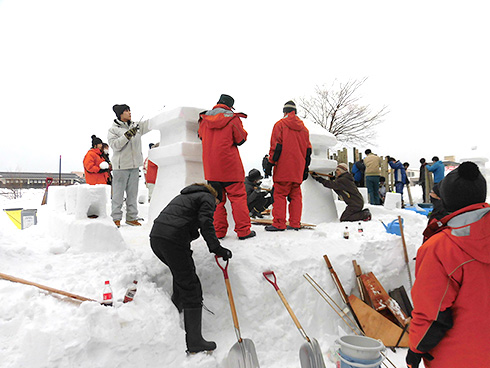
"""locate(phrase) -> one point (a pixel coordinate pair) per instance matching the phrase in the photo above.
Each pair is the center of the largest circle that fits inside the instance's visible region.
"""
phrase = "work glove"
(104, 165)
(222, 252)
(268, 168)
(305, 174)
(131, 132)
(413, 359)
(317, 177)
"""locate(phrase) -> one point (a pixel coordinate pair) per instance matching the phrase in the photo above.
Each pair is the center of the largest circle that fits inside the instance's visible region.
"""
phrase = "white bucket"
(360, 347)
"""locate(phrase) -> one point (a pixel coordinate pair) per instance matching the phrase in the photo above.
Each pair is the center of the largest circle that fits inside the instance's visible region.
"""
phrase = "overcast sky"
(64, 64)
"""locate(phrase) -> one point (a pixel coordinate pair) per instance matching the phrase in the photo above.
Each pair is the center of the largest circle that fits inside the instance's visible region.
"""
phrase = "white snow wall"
(178, 157)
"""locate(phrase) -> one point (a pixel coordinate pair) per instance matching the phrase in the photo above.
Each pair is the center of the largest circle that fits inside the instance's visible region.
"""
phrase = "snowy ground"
(38, 329)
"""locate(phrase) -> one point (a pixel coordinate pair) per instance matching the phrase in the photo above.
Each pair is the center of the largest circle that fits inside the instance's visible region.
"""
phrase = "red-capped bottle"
(107, 295)
(130, 292)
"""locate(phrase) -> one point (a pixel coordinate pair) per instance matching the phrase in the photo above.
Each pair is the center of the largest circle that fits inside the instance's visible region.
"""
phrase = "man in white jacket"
(124, 138)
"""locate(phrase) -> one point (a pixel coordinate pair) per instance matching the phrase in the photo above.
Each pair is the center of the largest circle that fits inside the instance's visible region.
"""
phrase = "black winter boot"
(193, 338)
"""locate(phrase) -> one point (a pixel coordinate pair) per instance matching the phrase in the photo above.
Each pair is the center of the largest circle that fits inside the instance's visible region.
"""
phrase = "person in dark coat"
(256, 198)
(421, 181)
(179, 223)
(343, 185)
(265, 164)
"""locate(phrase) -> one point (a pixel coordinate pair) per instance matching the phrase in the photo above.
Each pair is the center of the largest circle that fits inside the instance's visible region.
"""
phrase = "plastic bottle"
(107, 295)
(346, 233)
(360, 230)
(130, 292)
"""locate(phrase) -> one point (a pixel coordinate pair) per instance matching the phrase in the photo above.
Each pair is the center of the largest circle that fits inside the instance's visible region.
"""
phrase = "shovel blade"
(310, 355)
(242, 355)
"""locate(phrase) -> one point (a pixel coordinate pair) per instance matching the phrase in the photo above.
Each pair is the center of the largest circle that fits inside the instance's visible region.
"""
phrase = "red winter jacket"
(91, 163)
(290, 149)
(150, 170)
(221, 132)
(451, 294)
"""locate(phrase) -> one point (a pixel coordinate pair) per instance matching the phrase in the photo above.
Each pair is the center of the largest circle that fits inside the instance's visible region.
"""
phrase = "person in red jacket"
(95, 166)
(150, 170)
(450, 324)
(221, 132)
(290, 154)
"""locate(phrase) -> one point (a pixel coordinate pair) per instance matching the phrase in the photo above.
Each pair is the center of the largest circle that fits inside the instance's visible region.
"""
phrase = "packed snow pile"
(40, 329)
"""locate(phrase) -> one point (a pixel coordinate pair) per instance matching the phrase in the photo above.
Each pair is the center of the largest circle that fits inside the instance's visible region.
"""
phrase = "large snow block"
(393, 200)
(318, 201)
(57, 197)
(91, 201)
(177, 125)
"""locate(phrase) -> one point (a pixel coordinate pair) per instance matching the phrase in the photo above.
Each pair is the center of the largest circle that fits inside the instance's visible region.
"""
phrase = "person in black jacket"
(170, 238)
(256, 198)
(343, 184)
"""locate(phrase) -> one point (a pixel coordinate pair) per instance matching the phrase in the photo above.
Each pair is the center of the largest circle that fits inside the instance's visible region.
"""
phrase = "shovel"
(310, 354)
(242, 354)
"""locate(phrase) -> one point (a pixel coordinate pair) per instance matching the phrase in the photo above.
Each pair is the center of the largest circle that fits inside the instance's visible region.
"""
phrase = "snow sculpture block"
(71, 193)
(318, 201)
(57, 197)
(178, 157)
(364, 193)
(393, 200)
(91, 200)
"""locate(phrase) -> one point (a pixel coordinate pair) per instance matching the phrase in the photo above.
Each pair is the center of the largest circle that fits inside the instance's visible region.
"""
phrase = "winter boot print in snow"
(193, 338)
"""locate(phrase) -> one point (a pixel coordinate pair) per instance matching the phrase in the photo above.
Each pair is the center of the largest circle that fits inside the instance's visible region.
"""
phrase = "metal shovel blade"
(242, 355)
(310, 355)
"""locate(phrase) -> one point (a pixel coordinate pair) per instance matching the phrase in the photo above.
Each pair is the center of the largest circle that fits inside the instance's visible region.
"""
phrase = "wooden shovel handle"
(230, 297)
(281, 295)
(47, 288)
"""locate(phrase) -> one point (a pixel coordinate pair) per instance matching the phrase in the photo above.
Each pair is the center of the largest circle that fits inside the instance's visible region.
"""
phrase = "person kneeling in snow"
(257, 199)
(343, 184)
(170, 238)
(450, 295)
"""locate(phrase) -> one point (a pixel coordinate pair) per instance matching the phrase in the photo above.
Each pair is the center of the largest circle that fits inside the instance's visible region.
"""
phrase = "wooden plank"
(260, 221)
(381, 301)
(376, 326)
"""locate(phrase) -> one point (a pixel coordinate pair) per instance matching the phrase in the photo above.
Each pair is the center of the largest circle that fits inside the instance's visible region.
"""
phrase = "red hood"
(293, 122)
(220, 116)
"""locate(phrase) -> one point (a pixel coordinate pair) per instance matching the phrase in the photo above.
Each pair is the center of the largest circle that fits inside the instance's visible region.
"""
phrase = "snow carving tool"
(46, 288)
(45, 196)
(242, 354)
(310, 354)
(405, 251)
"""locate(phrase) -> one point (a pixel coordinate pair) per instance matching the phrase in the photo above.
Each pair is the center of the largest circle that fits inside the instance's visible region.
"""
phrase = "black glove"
(222, 252)
(413, 359)
(317, 177)
(268, 168)
(305, 175)
(131, 133)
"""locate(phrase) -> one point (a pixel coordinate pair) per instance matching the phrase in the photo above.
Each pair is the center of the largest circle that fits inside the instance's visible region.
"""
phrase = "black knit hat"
(254, 174)
(119, 109)
(462, 187)
(289, 106)
(226, 100)
(95, 140)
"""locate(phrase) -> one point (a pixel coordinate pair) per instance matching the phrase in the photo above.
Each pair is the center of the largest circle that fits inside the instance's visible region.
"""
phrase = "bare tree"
(339, 111)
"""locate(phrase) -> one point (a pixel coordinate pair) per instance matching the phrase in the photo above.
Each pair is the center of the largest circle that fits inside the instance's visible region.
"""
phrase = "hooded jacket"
(451, 294)
(400, 173)
(345, 187)
(127, 152)
(437, 168)
(192, 210)
(221, 132)
(290, 149)
(93, 173)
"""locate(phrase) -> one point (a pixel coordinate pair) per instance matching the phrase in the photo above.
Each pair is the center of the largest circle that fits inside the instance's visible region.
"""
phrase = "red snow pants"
(238, 198)
(282, 190)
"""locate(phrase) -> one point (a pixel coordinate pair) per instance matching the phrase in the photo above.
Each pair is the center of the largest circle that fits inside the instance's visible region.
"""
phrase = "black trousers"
(353, 213)
(187, 290)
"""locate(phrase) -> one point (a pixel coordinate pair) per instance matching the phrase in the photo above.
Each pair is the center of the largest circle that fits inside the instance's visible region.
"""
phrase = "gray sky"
(65, 63)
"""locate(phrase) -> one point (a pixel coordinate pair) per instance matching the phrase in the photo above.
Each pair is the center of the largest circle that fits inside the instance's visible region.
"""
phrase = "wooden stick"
(360, 285)
(405, 251)
(340, 288)
(47, 288)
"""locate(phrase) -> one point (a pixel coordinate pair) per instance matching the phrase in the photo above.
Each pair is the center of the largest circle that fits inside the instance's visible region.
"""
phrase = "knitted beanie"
(462, 187)
(119, 109)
